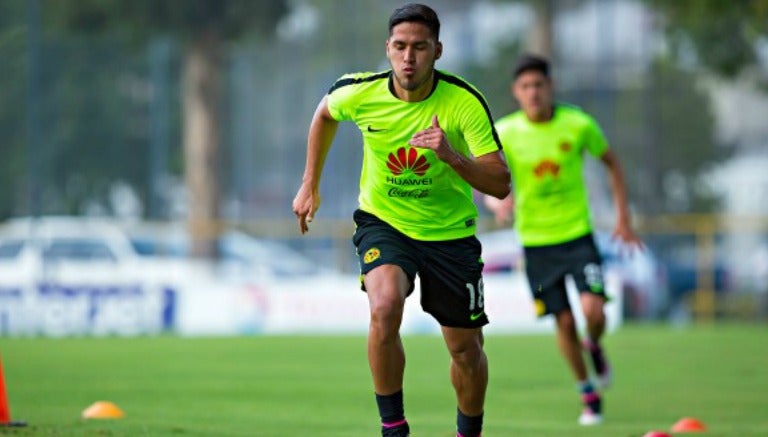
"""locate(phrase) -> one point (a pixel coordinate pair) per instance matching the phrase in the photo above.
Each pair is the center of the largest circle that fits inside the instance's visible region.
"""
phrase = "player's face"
(533, 91)
(412, 51)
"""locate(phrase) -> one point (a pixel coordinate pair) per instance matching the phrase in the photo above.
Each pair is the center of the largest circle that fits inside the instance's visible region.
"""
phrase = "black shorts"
(450, 271)
(548, 266)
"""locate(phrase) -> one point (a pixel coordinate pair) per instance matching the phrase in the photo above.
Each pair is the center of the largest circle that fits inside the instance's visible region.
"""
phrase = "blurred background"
(150, 151)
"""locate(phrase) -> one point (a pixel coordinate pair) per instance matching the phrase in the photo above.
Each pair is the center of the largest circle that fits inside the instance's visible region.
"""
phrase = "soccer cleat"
(590, 418)
(600, 363)
(400, 430)
(592, 412)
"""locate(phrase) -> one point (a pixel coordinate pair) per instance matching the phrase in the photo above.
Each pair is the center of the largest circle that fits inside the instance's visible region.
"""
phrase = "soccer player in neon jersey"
(428, 140)
(544, 144)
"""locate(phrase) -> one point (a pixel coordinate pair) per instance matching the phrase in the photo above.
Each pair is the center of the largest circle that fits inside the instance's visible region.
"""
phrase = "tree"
(720, 38)
(12, 165)
(664, 146)
(202, 26)
(722, 33)
(541, 33)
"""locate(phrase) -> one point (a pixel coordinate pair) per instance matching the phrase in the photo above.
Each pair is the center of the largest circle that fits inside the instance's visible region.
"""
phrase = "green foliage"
(494, 80)
(186, 19)
(652, 127)
(93, 127)
(96, 113)
(13, 158)
(320, 386)
(722, 32)
(94, 91)
(366, 20)
(657, 135)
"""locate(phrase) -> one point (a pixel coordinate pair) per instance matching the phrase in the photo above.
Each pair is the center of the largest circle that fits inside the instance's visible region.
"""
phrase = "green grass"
(320, 386)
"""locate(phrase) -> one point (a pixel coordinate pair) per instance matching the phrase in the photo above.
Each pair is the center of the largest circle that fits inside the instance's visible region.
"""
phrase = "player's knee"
(467, 354)
(593, 310)
(566, 321)
(594, 314)
(386, 314)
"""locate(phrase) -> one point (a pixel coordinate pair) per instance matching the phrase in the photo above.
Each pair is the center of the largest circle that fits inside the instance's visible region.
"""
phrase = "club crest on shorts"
(594, 277)
(540, 307)
(372, 255)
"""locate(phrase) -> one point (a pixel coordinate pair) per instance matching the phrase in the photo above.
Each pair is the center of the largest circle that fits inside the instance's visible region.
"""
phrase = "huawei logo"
(407, 159)
(546, 167)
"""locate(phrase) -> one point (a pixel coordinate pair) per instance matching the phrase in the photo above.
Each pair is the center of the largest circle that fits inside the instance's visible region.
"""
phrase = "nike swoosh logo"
(474, 317)
(371, 129)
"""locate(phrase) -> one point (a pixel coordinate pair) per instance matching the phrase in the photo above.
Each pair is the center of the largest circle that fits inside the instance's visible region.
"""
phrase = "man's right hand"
(305, 204)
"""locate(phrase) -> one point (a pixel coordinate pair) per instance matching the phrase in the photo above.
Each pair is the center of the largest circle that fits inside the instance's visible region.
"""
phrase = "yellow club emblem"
(372, 255)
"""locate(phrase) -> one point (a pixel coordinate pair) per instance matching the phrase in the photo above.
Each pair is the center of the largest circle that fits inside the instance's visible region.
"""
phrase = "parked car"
(643, 276)
(74, 275)
(239, 254)
(82, 250)
(78, 276)
(85, 250)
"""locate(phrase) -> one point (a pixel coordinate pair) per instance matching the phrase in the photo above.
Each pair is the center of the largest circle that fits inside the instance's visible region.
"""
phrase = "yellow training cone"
(103, 410)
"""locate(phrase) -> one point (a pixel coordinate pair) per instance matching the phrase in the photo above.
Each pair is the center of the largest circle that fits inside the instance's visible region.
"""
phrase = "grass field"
(320, 386)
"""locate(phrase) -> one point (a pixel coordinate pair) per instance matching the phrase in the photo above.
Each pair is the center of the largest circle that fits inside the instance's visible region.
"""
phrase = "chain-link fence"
(93, 125)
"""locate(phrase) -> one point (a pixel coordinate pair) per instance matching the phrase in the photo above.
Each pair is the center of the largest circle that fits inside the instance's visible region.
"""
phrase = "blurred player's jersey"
(405, 186)
(546, 160)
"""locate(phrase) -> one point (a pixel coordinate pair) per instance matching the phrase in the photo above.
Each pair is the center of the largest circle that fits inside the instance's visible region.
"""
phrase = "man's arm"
(488, 173)
(623, 229)
(322, 130)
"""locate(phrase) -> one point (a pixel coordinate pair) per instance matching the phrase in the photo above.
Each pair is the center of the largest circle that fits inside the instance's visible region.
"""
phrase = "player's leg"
(595, 319)
(387, 286)
(452, 292)
(546, 276)
(585, 267)
(388, 269)
(469, 376)
(588, 275)
(592, 305)
(569, 344)
(570, 347)
(546, 268)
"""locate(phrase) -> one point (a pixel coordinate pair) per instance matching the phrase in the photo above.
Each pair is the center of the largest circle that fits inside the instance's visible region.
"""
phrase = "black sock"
(585, 387)
(391, 408)
(469, 426)
(590, 397)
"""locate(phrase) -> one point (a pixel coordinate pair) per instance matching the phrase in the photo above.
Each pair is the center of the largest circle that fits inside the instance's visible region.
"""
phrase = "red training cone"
(688, 424)
(5, 411)
(656, 434)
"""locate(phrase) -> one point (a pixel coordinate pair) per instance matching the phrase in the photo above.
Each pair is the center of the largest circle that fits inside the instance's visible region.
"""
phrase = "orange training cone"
(103, 410)
(5, 411)
(688, 424)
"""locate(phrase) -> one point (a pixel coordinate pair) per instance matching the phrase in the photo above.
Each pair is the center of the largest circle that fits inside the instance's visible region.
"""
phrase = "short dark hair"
(418, 13)
(530, 62)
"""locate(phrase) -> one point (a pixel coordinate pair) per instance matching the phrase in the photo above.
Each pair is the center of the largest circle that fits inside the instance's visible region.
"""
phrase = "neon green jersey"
(407, 187)
(546, 160)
